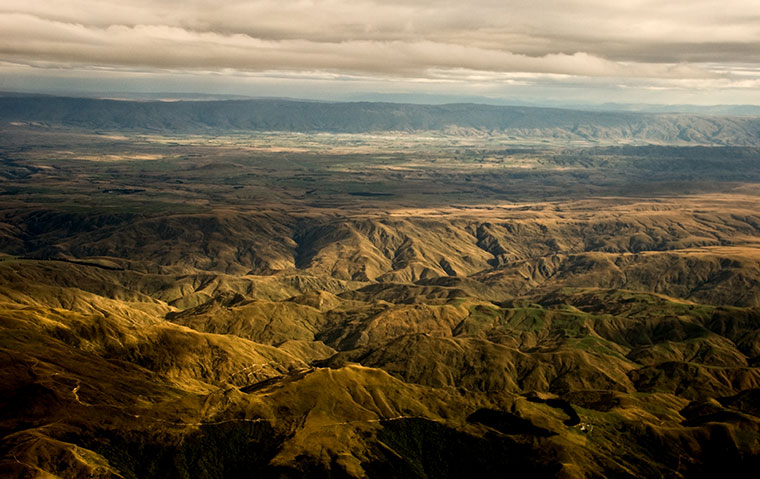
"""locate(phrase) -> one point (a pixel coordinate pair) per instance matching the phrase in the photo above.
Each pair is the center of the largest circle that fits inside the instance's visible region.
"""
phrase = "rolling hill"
(443, 303)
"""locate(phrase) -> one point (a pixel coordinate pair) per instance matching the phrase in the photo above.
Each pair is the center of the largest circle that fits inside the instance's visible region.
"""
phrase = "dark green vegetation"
(425, 304)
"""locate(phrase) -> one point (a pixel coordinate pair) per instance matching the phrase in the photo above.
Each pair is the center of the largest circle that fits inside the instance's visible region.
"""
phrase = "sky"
(573, 51)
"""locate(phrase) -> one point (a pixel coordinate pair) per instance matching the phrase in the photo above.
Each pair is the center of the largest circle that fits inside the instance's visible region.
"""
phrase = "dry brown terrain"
(293, 305)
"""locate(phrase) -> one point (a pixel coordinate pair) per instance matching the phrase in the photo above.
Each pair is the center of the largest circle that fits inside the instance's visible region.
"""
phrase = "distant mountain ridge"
(359, 117)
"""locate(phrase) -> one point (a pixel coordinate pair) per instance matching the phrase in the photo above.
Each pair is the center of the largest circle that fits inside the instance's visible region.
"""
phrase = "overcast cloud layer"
(701, 47)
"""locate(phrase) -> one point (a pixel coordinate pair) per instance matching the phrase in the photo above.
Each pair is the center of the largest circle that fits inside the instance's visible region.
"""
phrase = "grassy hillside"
(408, 305)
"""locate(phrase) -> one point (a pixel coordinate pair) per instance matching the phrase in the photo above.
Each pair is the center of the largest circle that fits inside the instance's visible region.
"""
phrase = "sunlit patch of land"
(303, 304)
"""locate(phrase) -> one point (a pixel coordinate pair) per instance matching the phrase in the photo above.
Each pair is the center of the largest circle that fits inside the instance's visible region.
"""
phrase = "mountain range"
(375, 291)
(351, 117)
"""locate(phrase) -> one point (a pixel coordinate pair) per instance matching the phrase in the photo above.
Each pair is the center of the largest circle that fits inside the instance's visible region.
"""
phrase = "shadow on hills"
(417, 448)
(233, 450)
(508, 423)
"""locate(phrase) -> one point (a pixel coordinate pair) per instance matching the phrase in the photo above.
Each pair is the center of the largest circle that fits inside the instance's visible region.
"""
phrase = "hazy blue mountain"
(354, 117)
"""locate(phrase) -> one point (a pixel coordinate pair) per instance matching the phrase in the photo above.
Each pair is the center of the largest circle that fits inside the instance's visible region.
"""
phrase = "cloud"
(415, 40)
